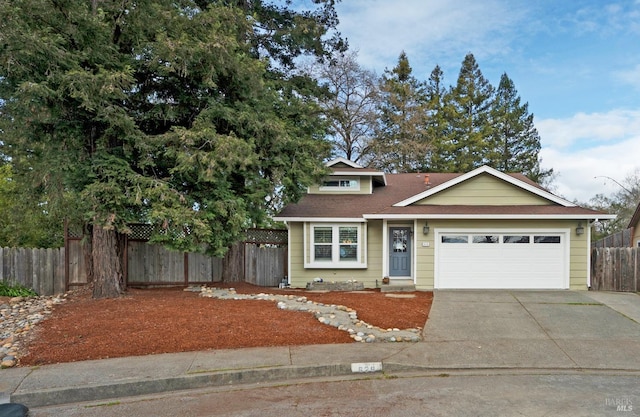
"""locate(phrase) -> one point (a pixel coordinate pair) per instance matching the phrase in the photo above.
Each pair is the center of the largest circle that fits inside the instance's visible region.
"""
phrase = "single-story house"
(480, 230)
(634, 225)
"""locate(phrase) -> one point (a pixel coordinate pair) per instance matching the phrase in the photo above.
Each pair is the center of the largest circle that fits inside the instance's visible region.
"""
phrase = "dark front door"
(399, 252)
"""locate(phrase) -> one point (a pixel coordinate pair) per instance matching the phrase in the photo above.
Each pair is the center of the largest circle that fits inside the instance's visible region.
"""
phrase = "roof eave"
(320, 219)
(490, 216)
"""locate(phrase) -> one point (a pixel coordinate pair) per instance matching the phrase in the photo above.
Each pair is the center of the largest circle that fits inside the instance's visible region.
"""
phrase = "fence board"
(204, 268)
(38, 269)
(265, 266)
(616, 240)
(615, 269)
(77, 271)
(44, 269)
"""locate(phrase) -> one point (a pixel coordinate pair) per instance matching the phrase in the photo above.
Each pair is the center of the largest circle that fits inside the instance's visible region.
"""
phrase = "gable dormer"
(348, 177)
(487, 187)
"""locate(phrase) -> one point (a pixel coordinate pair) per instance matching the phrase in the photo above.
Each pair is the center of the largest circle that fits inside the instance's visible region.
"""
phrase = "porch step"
(398, 286)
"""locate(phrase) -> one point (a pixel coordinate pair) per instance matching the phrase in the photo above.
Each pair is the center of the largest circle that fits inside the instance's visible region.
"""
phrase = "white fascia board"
(321, 219)
(360, 174)
(488, 216)
(488, 170)
(344, 161)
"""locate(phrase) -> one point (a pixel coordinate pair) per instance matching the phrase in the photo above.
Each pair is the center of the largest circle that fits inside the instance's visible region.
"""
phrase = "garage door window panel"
(486, 239)
(516, 239)
(547, 239)
(455, 239)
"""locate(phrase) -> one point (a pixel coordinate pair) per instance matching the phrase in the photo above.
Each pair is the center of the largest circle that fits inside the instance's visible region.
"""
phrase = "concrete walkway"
(555, 331)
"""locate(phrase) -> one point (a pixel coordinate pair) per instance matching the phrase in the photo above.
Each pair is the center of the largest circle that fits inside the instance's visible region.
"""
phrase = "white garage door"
(494, 260)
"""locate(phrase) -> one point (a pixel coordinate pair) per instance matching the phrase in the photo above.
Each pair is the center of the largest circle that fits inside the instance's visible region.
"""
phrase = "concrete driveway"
(530, 329)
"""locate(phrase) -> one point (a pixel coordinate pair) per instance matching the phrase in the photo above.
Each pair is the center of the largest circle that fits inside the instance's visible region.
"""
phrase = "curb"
(186, 382)
(201, 380)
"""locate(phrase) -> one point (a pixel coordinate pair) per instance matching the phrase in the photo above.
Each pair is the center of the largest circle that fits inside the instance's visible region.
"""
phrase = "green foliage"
(514, 140)
(468, 107)
(183, 114)
(401, 141)
(428, 127)
(26, 220)
(438, 124)
(15, 290)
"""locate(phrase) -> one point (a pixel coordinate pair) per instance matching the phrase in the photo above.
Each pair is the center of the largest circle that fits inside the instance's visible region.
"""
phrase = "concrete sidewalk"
(483, 330)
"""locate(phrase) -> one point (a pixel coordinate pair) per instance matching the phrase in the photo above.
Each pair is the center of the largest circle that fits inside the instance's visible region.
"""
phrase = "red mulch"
(153, 321)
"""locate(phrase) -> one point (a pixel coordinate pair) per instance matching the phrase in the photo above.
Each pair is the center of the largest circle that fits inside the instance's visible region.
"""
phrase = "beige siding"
(636, 236)
(484, 189)
(300, 276)
(365, 186)
(425, 260)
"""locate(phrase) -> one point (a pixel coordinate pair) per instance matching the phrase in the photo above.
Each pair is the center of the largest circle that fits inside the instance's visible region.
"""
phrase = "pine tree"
(401, 143)
(438, 126)
(515, 142)
(468, 111)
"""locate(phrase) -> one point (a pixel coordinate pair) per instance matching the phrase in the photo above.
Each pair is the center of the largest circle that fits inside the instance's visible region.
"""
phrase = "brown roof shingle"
(403, 186)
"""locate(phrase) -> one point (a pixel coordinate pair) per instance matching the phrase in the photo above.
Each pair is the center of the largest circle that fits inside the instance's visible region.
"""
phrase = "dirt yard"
(153, 321)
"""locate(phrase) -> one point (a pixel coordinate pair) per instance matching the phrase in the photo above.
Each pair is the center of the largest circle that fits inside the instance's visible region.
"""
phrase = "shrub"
(15, 290)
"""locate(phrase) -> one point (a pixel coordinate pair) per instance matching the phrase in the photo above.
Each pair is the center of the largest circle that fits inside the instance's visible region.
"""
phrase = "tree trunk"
(107, 264)
(233, 263)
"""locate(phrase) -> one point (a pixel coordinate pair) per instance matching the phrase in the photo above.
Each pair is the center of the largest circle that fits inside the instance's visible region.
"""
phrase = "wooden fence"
(617, 240)
(615, 269)
(39, 269)
(262, 261)
(265, 265)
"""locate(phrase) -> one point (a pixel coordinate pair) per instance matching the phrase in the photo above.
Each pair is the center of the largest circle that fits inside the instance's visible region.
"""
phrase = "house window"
(322, 243)
(336, 246)
(348, 243)
(340, 184)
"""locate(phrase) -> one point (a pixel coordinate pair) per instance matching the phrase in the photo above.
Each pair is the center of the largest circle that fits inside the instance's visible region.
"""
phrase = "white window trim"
(385, 249)
(339, 188)
(335, 263)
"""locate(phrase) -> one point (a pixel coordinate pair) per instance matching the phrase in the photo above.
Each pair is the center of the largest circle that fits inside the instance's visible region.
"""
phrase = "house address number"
(366, 367)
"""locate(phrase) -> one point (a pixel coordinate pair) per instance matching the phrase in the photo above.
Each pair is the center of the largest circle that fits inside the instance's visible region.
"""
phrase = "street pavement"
(479, 331)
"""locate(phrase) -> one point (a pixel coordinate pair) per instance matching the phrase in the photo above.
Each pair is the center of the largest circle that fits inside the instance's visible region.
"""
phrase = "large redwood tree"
(185, 114)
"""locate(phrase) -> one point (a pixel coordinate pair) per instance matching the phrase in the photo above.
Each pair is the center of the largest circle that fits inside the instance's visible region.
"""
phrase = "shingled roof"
(400, 187)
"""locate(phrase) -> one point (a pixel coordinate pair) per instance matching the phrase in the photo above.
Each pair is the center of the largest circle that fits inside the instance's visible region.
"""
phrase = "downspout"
(288, 271)
(589, 254)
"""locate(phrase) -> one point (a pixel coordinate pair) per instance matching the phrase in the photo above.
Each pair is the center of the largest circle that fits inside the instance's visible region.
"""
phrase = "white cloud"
(577, 169)
(425, 30)
(589, 129)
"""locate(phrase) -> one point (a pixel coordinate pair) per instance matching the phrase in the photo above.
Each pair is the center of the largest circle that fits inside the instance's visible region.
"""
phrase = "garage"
(494, 259)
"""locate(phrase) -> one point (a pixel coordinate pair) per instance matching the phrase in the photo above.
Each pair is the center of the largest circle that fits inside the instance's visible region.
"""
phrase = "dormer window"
(340, 184)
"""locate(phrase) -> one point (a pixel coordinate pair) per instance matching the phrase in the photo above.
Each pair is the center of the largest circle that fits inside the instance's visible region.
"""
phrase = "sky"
(575, 62)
